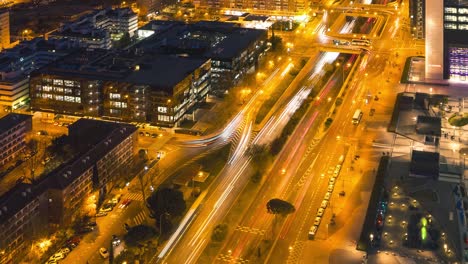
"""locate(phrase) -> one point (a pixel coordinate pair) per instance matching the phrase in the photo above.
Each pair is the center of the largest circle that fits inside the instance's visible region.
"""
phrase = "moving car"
(116, 199)
(107, 207)
(313, 231)
(125, 203)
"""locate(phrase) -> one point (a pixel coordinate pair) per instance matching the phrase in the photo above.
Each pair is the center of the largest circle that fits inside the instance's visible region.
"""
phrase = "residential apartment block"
(54, 200)
(126, 86)
(19, 221)
(13, 129)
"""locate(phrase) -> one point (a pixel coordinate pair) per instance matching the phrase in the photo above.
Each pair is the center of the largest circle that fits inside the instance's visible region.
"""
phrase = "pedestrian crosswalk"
(135, 196)
(295, 252)
(140, 218)
(251, 230)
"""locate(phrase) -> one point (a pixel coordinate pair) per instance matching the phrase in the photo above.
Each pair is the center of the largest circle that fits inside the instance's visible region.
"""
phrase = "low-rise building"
(13, 129)
(158, 89)
(102, 148)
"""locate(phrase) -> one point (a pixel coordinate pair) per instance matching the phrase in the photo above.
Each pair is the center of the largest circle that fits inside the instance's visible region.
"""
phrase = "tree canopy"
(139, 234)
(166, 200)
(277, 206)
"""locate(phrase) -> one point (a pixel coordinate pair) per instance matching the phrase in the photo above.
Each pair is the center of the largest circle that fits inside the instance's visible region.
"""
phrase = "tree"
(277, 145)
(328, 122)
(276, 43)
(280, 207)
(339, 101)
(166, 201)
(219, 233)
(327, 67)
(139, 234)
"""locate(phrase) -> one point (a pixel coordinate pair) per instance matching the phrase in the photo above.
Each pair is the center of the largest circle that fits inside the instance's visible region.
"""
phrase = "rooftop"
(11, 120)
(99, 137)
(428, 125)
(161, 72)
(425, 164)
(15, 199)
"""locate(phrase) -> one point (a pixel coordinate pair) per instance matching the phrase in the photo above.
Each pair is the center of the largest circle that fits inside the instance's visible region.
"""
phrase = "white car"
(104, 253)
(64, 251)
(57, 257)
(116, 199)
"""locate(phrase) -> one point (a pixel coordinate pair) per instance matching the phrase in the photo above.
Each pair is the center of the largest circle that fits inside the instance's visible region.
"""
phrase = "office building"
(4, 29)
(98, 29)
(18, 62)
(277, 8)
(446, 42)
(13, 129)
(233, 51)
(417, 18)
(158, 89)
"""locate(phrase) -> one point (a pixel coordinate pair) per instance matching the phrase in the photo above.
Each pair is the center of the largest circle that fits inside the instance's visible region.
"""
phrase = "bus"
(361, 42)
(357, 116)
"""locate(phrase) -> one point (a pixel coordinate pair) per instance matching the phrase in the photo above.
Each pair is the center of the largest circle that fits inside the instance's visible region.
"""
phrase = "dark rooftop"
(428, 125)
(10, 120)
(98, 145)
(162, 72)
(425, 164)
(15, 199)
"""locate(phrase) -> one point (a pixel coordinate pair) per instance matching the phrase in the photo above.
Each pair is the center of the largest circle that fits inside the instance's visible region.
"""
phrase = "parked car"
(141, 134)
(327, 196)
(85, 229)
(317, 220)
(104, 253)
(116, 199)
(324, 204)
(153, 135)
(320, 212)
(57, 257)
(64, 251)
(100, 214)
(73, 242)
(106, 207)
(115, 240)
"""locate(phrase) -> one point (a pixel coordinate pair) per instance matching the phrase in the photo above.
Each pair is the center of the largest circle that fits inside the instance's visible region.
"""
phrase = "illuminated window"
(78, 99)
(69, 98)
(450, 18)
(450, 10)
(68, 91)
(463, 10)
(162, 109)
(59, 97)
(58, 82)
(69, 83)
(58, 89)
(114, 96)
(47, 88)
(463, 19)
(450, 26)
(463, 26)
(164, 118)
(47, 96)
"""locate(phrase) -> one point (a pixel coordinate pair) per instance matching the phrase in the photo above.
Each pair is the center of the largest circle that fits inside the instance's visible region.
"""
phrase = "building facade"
(98, 29)
(280, 8)
(447, 45)
(13, 129)
(417, 18)
(155, 89)
(4, 29)
(19, 221)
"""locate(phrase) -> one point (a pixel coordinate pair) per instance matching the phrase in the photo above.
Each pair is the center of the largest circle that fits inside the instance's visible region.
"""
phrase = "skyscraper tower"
(446, 40)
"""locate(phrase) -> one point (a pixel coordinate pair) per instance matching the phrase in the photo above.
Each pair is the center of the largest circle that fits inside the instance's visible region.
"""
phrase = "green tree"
(276, 43)
(219, 232)
(166, 201)
(339, 101)
(279, 207)
(328, 122)
(139, 234)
